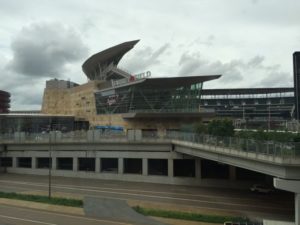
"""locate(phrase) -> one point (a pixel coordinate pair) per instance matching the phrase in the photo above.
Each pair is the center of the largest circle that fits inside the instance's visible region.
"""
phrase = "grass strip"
(187, 215)
(42, 199)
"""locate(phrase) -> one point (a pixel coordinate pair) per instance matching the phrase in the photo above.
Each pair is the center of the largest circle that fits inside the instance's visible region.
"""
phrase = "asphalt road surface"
(278, 205)
(11, 215)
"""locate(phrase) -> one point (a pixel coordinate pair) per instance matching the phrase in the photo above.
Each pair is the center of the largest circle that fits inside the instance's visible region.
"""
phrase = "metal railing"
(268, 148)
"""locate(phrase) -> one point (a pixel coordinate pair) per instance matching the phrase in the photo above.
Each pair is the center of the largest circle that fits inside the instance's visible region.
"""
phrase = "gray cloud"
(143, 59)
(44, 49)
(194, 64)
(208, 41)
(253, 72)
(254, 1)
(276, 79)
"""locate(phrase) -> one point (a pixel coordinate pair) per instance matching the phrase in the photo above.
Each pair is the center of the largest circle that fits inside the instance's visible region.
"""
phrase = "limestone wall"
(78, 101)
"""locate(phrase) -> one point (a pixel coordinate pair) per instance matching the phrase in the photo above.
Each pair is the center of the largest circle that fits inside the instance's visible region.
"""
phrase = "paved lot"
(183, 198)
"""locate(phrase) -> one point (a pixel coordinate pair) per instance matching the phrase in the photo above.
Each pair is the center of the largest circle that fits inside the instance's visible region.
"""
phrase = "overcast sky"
(249, 42)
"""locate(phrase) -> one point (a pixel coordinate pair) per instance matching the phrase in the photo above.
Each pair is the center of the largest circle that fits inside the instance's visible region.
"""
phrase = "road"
(11, 215)
(243, 202)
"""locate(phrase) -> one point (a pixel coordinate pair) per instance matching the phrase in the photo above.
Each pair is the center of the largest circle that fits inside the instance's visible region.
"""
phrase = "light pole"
(269, 116)
(50, 159)
(244, 115)
(50, 167)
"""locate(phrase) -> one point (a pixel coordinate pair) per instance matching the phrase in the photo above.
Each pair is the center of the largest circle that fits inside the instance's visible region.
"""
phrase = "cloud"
(276, 79)
(236, 73)
(44, 49)
(145, 58)
(208, 41)
(194, 64)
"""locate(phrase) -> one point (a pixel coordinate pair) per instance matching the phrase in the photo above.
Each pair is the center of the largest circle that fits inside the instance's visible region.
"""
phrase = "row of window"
(181, 167)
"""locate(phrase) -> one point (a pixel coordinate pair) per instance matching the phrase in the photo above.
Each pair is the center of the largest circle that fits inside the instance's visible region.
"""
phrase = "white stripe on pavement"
(26, 220)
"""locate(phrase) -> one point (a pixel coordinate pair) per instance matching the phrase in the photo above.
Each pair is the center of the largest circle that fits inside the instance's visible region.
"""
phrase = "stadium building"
(115, 99)
(252, 107)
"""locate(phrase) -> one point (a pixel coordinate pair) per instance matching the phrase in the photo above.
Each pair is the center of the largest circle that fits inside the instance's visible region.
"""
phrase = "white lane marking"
(202, 207)
(133, 190)
(63, 215)
(149, 196)
(26, 220)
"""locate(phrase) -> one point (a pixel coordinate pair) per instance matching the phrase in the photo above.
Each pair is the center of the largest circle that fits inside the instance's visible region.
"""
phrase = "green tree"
(200, 128)
(221, 128)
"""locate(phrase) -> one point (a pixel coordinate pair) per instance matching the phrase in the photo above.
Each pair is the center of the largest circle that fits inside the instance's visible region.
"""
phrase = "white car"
(260, 188)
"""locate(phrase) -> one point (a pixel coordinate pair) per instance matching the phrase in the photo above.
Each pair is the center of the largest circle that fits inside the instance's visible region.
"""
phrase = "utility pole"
(50, 160)
(50, 166)
(269, 118)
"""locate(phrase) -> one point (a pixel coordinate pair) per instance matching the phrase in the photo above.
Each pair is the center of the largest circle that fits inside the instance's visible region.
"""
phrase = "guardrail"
(271, 148)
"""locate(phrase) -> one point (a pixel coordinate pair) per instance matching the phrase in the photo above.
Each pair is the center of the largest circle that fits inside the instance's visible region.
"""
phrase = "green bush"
(43, 199)
(269, 136)
(187, 215)
(222, 128)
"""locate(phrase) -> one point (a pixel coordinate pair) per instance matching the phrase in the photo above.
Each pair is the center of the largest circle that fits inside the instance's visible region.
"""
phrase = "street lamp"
(50, 166)
(50, 159)
(244, 115)
(269, 115)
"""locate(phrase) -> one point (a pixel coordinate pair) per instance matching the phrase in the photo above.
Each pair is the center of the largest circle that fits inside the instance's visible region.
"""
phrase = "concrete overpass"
(280, 160)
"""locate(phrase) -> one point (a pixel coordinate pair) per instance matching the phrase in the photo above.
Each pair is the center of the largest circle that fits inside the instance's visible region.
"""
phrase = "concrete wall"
(120, 151)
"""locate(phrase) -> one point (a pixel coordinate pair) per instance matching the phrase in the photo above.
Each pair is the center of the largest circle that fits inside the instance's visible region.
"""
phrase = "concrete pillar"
(145, 167)
(90, 135)
(170, 168)
(98, 165)
(232, 173)
(120, 165)
(93, 135)
(138, 135)
(19, 136)
(130, 135)
(54, 163)
(198, 168)
(14, 162)
(292, 186)
(161, 132)
(58, 136)
(33, 162)
(75, 164)
(97, 135)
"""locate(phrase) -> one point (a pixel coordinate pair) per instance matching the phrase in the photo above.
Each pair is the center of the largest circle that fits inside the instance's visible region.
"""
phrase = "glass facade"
(35, 123)
(136, 98)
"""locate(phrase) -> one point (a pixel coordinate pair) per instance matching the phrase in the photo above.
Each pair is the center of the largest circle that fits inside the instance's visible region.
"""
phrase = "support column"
(292, 186)
(75, 164)
(198, 168)
(145, 167)
(170, 168)
(54, 163)
(120, 166)
(14, 162)
(232, 173)
(33, 162)
(98, 165)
